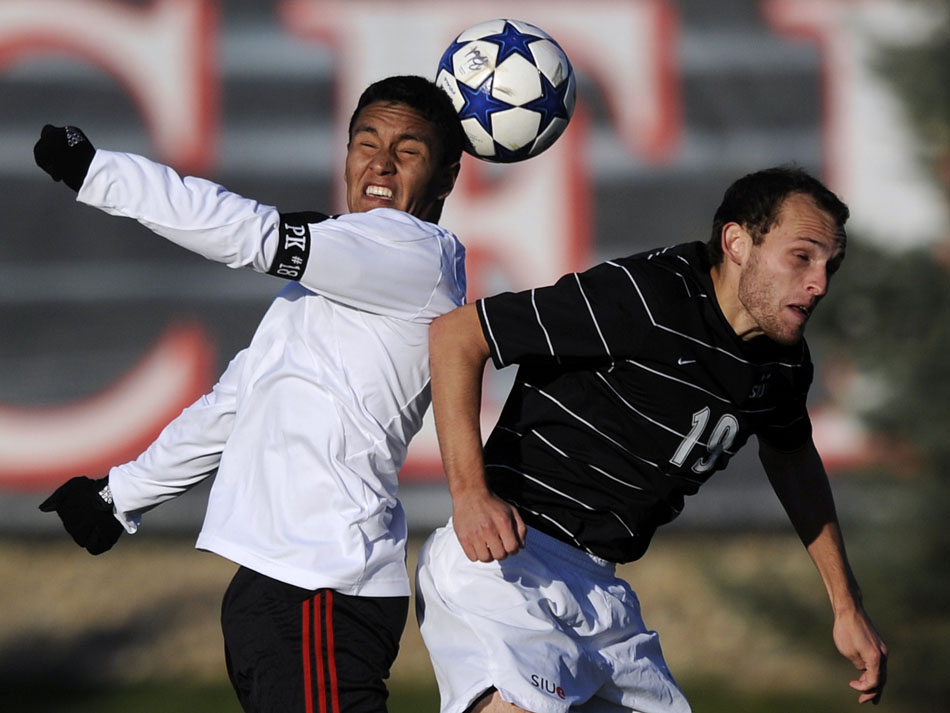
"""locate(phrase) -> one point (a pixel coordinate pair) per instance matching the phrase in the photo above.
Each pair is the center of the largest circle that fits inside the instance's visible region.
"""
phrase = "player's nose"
(817, 280)
(383, 162)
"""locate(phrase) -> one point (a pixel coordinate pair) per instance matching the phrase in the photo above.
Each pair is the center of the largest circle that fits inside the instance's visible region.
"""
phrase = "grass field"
(743, 620)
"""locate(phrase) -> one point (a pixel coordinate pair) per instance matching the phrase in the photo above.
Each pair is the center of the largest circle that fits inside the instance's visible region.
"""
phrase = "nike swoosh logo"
(681, 361)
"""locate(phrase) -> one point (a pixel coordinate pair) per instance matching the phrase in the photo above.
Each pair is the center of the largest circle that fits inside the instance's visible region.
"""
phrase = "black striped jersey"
(632, 389)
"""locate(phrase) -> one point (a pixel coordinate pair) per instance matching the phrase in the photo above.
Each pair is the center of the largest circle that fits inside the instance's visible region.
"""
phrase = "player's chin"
(787, 336)
(791, 331)
(368, 203)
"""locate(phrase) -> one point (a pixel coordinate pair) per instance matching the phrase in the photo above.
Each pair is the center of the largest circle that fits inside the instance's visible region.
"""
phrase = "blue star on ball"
(550, 105)
(510, 41)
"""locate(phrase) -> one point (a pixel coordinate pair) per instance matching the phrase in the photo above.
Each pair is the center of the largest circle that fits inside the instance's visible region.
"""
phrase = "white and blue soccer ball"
(512, 86)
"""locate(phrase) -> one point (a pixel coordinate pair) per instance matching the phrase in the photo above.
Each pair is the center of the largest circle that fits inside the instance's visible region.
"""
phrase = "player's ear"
(449, 174)
(736, 243)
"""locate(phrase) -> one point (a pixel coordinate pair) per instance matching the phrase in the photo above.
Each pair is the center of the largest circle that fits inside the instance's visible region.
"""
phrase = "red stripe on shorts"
(318, 651)
(331, 656)
(318, 614)
(305, 639)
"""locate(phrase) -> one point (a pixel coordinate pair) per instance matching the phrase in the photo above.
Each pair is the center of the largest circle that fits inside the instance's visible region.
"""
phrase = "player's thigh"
(356, 644)
(290, 649)
(515, 626)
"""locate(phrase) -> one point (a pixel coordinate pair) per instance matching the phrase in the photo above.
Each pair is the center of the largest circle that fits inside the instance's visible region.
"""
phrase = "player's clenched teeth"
(379, 192)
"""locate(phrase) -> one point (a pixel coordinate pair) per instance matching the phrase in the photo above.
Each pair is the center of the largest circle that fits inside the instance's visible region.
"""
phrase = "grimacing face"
(394, 160)
(788, 273)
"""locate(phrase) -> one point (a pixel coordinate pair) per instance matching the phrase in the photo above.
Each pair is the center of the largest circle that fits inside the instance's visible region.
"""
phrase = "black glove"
(64, 153)
(85, 507)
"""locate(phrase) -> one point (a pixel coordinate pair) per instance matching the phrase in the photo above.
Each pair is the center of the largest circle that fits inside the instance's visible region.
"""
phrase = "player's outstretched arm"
(85, 507)
(192, 212)
(800, 481)
(185, 453)
(487, 527)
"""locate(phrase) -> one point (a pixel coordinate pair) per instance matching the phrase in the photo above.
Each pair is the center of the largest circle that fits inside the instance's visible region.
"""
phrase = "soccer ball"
(512, 86)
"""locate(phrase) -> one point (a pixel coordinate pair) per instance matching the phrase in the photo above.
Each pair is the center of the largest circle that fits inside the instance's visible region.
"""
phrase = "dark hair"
(424, 97)
(755, 200)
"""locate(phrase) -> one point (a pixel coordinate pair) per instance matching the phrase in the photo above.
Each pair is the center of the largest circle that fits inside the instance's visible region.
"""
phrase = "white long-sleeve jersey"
(309, 425)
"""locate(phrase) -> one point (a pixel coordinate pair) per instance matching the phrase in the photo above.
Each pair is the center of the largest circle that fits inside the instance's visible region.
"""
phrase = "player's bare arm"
(488, 528)
(800, 481)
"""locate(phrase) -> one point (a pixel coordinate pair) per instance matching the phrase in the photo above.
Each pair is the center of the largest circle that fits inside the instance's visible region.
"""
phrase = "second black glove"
(64, 153)
(86, 513)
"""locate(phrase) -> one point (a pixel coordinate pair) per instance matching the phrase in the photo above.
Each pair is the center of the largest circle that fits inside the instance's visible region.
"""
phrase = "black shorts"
(293, 650)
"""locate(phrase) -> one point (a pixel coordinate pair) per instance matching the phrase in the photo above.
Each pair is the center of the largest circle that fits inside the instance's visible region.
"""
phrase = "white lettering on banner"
(289, 271)
(297, 241)
(163, 53)
(868, 148)
(523, 224)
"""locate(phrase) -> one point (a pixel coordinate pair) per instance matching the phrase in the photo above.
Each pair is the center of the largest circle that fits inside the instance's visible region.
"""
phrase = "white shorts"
(551, 628)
